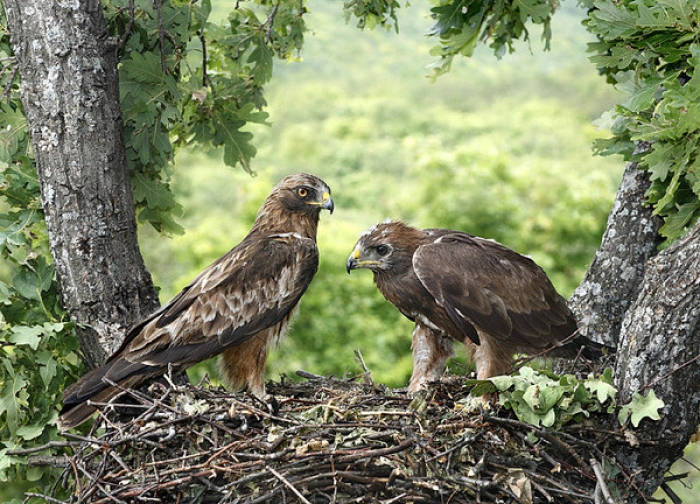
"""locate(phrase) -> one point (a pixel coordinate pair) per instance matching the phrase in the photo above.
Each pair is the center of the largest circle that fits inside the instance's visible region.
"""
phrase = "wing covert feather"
(252, 287)
(501, 292)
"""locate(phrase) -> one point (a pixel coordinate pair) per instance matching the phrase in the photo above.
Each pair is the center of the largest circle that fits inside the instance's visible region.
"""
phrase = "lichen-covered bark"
(613, 279)
(646, 303)
(70, 94)
(660, 349)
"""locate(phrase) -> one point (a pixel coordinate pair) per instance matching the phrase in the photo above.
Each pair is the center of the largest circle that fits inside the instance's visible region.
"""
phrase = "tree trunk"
(613, 278)
(646, 303)
(660, 349)
(70, 94)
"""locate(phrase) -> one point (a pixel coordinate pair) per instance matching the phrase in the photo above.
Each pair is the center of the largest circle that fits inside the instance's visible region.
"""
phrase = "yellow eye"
(302, 192)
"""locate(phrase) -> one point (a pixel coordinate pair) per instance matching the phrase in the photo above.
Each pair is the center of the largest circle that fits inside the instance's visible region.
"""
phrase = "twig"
(270, 21)
(308, 375)
(47, 446)
(671, 494)
(600, 477)
(129, 25)
(675, 370)
(288, 484)
(42, 496)
(47, 461)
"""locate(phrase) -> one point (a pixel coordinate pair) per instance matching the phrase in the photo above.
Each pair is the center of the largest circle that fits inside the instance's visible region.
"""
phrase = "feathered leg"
(491, 357)
(243, 366)
(431, 349)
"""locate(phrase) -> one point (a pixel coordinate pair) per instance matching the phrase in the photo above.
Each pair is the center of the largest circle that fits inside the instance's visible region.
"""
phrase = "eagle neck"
(274, 219)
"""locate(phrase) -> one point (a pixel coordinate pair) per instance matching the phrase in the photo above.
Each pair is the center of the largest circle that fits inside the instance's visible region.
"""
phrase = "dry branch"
(329, 440)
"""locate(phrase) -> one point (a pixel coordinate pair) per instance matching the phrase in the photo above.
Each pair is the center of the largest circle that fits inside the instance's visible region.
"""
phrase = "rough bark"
(70, 94)
(613, 278)
(660, 350)
(647, 305)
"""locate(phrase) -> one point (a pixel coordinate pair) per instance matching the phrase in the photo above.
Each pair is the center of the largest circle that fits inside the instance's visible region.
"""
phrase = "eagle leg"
(243, 366)
(491, 356)
(431, 349)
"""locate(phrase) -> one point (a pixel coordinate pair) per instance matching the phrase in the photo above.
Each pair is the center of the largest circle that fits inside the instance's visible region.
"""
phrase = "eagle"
(239, 307)
(459, 287)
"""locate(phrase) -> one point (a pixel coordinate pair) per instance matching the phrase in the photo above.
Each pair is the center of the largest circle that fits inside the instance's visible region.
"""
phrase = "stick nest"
(328, 440)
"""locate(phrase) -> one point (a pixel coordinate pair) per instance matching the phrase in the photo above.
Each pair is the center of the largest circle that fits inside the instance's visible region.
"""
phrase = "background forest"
(498, 148)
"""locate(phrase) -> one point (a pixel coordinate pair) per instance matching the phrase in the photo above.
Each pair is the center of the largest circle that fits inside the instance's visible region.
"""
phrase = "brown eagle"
(239, 306)
(456, 286)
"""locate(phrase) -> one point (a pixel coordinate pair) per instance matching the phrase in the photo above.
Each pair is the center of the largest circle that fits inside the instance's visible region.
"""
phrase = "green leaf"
(13, 132)
(27, 335)
(603, 392)
(261, 57)
(641, 407)
(29, 432)
(480, 387)
(13, 399)
(678, 222)
(153, 193)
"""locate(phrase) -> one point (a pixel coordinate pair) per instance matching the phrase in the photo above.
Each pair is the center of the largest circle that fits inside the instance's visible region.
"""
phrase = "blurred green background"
(496, 148)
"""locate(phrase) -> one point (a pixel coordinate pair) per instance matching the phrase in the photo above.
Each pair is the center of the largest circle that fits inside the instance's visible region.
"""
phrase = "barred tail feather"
(79, 398)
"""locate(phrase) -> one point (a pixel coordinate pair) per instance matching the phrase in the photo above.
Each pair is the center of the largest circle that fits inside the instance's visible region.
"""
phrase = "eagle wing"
(500, 292)
(252, 287)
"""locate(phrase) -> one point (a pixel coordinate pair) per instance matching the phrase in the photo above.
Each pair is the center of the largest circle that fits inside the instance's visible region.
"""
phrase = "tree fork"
(646, 303)
(70, 95)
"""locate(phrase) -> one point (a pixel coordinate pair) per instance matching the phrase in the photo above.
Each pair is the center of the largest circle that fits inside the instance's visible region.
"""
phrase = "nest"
(328, 440)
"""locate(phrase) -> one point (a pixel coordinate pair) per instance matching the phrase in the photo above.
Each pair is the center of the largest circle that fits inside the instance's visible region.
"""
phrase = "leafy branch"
(461, 24)
(547, 400)
(651, 51)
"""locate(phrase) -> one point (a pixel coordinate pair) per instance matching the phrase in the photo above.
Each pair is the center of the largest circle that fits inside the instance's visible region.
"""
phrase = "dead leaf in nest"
(631, 438)
(313, 446)
(520, 485)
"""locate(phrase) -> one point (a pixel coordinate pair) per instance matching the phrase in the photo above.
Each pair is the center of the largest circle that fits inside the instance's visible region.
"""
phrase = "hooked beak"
(353, 261)
(327, 202)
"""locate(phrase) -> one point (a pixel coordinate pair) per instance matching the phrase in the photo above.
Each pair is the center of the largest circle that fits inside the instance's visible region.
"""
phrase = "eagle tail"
(587, 348)
(74, 414)
(80, 398)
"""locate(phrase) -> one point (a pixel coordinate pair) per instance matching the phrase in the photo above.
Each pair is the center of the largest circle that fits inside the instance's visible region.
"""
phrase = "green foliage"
(461, 24)
(38, 350)
(184, 80)
(547, 400)
(651, 50)
(544, 399)
(641, 407)
(372, 13)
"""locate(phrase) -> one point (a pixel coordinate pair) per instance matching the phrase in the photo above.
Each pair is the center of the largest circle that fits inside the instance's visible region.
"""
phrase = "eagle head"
(294, 206)
(303, 192)
(386, 246)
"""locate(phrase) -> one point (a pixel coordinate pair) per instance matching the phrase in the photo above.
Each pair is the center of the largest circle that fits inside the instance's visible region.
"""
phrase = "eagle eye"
(302, 192)
(382, 250)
